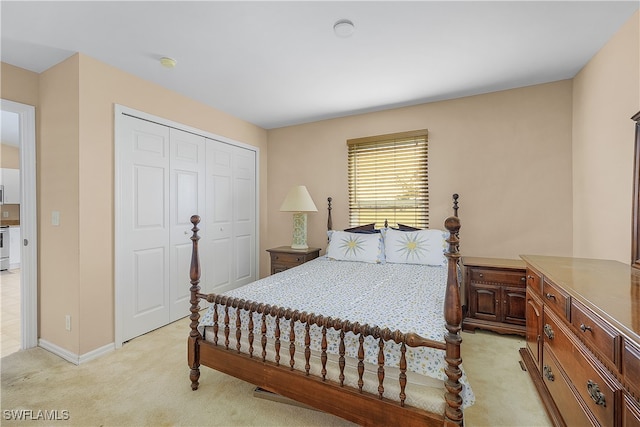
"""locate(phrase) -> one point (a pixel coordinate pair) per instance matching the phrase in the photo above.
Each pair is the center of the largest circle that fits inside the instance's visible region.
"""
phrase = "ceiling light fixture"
(168, 62)
(343, 28)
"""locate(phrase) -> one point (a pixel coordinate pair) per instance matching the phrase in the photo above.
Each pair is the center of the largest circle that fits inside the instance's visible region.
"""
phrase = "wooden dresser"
(583, 339)
(495, 295)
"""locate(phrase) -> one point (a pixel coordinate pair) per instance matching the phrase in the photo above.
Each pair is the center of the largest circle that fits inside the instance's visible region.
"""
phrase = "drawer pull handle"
(298, 259)
(548, 331)
(585, 328)
(550, 296)
(596, 394)
(277, 257)
(548, 374)
(522, 279)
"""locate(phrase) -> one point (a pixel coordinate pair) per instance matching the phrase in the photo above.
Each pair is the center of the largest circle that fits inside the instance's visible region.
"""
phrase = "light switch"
(55, 218)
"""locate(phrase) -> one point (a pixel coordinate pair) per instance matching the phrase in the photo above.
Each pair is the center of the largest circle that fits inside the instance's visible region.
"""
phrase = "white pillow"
(415, 247)
(345, 246)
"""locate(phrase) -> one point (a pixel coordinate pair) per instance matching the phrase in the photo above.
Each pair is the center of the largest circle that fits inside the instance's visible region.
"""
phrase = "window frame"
(382, 144)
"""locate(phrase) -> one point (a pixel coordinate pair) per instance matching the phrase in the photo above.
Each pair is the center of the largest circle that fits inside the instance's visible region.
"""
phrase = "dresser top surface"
(493, 262)
(289, 249)
(609, 288)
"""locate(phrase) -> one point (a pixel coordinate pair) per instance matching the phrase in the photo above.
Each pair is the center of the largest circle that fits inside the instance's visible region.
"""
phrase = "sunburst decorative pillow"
(345, 246)
(415, 247)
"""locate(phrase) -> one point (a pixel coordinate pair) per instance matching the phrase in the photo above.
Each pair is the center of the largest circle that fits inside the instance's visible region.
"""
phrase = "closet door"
(186, 198)
(164, 176)
(143, 245)
(244, 216)
(230, 260)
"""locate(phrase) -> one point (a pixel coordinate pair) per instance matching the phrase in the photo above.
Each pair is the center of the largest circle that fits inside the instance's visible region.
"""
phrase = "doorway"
(21, 118)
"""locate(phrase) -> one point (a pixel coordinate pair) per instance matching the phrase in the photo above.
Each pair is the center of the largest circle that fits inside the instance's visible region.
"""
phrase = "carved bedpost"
(455, 204)
(453, 318)
(329, 220)
(193, 353)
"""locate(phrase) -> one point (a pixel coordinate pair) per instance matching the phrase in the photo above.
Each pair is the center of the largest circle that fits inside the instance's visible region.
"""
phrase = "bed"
(331, 349)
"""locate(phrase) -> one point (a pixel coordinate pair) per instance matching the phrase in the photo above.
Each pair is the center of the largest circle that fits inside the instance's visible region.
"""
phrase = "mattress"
(404, 297)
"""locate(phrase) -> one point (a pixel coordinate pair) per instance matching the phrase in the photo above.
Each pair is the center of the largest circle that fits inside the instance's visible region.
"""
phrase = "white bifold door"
(162, 183)
(230, 240)
(165, 176)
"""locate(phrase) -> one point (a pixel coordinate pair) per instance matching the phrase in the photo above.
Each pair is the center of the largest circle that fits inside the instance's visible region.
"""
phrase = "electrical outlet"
(5, 214)
(67, 320)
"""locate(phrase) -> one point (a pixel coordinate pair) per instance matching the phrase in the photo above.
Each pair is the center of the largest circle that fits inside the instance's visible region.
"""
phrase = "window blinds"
(388, 179)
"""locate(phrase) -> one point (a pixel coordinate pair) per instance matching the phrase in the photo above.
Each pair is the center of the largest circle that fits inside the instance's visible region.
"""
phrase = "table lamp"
(299, 202)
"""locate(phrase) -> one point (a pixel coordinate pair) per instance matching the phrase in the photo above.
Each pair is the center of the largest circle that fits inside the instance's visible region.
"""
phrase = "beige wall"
(606, 93)
(58, 247)
(508, 155)
(77, 100)
(9, 156)
(18, 85)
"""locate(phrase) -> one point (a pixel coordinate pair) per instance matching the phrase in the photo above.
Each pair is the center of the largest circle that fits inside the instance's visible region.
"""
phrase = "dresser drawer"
(288, 259)
(572, 413)
(284, 258)
(591, 328)
(630, 412)
(631, 366)
(511, 277)
(596, 388)
(534, 281)
(556, 298)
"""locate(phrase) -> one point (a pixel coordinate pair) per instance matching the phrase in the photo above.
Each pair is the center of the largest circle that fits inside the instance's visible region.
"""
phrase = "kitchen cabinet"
(10, 181)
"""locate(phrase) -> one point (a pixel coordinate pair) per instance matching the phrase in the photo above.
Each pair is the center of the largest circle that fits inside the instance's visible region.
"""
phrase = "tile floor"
(10, 311)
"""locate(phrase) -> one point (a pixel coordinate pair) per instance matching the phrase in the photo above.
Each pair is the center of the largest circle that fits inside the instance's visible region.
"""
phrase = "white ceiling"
(279, 63)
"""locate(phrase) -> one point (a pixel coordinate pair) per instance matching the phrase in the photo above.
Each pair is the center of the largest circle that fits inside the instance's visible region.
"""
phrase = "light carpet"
(146, 383)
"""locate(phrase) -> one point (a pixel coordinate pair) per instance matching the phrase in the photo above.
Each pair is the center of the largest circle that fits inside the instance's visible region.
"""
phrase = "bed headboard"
(371, 227)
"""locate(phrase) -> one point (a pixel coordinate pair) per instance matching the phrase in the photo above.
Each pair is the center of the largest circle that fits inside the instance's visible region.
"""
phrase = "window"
(388, 179)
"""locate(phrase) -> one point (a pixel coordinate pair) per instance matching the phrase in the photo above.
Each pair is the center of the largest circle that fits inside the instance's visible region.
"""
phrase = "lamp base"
(299, 231)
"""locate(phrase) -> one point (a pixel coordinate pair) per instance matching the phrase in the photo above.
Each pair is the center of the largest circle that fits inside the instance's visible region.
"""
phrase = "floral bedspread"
(406, 297)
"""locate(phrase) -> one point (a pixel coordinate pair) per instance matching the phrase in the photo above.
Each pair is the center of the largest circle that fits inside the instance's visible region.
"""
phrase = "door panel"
(483, 301)
(515, 305)
(149, 198)
(244, 215)
(186, 198)
(219, 216)
(149, 282)
(231, 216)
(534, 327)
(144, 239)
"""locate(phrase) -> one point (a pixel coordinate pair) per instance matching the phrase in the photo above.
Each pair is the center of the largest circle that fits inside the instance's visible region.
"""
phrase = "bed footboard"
(281, 376)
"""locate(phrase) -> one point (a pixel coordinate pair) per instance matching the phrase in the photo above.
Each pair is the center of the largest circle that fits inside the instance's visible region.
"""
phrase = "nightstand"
(495, 291)
(284, 257)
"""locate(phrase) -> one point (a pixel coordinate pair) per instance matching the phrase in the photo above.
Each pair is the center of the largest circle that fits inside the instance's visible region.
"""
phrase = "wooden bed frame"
(341, 400)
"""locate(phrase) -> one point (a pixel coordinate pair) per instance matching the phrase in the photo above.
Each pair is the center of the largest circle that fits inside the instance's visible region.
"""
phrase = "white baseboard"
(72, 357)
